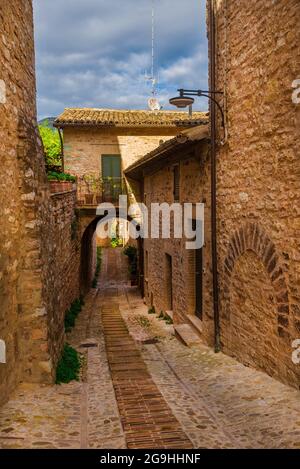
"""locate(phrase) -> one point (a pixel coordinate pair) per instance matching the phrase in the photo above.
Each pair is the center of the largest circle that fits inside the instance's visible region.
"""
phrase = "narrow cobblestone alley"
(141, 388)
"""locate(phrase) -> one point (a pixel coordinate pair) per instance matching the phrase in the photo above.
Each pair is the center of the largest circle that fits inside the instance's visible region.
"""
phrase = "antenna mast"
(153, 51)
(153, 102)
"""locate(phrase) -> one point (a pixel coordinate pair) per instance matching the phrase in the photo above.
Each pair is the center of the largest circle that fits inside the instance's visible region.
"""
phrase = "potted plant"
(60, 182)
(98, 190)
(96, 186)
(131, 253)
(89, 196)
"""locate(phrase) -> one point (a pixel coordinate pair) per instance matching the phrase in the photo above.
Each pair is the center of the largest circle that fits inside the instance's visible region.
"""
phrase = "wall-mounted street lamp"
(185, 99)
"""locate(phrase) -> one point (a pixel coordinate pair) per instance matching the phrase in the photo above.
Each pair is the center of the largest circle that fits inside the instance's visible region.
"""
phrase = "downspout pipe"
(141, 247)
(214, 243)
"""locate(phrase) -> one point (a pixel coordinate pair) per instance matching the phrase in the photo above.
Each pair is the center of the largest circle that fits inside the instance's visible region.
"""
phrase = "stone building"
(178, 280)
(257, 194)
(99, 144)
(39, 255)
(256, 64)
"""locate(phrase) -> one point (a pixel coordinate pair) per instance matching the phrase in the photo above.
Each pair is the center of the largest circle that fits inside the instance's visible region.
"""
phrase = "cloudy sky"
(94, 53)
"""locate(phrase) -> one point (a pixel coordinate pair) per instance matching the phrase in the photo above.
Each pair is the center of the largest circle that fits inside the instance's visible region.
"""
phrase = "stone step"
(186, 334)
(195, 323)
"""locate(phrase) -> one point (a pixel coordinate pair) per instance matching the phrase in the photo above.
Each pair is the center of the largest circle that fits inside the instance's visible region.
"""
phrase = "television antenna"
(153, 102)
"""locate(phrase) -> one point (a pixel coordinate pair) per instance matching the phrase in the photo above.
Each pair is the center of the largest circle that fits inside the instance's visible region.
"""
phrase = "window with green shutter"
(111, 176)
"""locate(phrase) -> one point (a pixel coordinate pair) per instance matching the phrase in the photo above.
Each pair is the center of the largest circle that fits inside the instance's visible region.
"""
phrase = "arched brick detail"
(252, 237)
(89, 217)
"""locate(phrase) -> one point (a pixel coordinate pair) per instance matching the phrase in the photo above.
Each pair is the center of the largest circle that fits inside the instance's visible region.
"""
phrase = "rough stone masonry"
(258, 61)
(35, 250)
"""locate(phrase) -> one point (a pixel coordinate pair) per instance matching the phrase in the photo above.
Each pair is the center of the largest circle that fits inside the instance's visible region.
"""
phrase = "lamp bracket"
(207, 94)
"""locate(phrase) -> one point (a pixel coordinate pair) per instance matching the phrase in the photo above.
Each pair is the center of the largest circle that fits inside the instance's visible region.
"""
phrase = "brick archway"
(251, 237)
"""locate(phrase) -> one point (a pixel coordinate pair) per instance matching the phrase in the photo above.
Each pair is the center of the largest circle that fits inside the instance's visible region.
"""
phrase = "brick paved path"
(147, 420)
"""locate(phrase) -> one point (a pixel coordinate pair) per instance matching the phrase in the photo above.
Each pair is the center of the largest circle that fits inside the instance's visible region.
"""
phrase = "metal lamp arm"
(206, 94)
(218, 105)
(184, 92)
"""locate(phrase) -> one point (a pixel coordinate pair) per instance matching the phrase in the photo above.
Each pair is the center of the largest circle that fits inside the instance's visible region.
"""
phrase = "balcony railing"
(92, 190)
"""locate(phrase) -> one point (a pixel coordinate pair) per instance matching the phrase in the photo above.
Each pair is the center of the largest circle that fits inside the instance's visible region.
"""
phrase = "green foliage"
(165, 317)
(68, 366)
(131, 253)
(72, 314)
(168, 320)
(116, 242)
(143, 321)
(54, 176)
(133, 268)
(151, 310)
(52, 145)
(93, 183)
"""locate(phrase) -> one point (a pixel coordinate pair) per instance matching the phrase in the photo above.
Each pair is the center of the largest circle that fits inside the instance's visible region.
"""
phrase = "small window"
(176, 183)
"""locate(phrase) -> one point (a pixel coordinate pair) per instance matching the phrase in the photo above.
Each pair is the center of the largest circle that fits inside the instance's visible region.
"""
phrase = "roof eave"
(187, 125)
(174, 145)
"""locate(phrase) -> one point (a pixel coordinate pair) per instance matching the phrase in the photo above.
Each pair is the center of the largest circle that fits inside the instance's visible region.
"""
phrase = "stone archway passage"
(147, 420)
(251, 237)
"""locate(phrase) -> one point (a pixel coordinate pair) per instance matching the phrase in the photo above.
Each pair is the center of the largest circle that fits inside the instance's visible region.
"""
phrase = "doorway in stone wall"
(169, 282)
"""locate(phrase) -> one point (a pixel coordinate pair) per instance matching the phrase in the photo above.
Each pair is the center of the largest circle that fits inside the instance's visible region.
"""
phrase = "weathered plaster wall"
(258, 183)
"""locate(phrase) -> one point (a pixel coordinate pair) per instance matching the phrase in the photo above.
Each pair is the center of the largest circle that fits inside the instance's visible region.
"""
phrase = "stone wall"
(194, 188)
(22, 198)
(34, 244)
(63, 266)
(258, 59)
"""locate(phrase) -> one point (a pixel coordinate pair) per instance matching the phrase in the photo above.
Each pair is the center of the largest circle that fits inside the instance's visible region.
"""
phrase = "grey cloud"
(95, 52)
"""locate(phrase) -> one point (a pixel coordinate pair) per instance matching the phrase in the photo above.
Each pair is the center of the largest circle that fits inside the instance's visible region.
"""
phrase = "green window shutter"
(112, 177)
(111, 166)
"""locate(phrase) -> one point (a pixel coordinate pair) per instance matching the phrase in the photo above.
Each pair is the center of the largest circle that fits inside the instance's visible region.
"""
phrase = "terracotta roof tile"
(122, 118)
